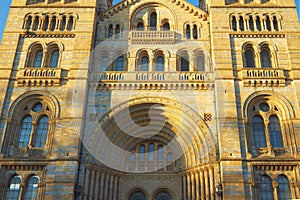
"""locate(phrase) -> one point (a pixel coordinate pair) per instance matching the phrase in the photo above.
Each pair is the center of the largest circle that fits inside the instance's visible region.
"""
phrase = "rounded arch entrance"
(172, 124)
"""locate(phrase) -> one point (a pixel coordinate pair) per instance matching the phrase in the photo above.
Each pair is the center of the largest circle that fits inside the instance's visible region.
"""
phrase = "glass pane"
(266, 188)
(70, 24)
(25, 131)
(54, 58)
(142, 152)
(110, 31)
(160, 153)
(160, 62)
(265, 57)
(250, 62)
(200, 64)
(234, 27)
(104, 64)
(153, 21)
(275, 24)
(184, 64)
(120, 63)
(268, 23)
(137, 196)
(144, 63)
(283, 190)
(188, 32)
(41, 132)
(53, 24)
(117, 31)
(163, 196)
(195, 32)
(38, 59)
(169, 157)
(258, 131)
(166, 26)
(132, 157)
(46, 23)
(63, 24)
(140, 26)
(14, 189)
(29, 22)
(258, 24)
(275, 132)
(264, 107)
(151, 152)
(241, 23)
(31, 192)
(251, 23)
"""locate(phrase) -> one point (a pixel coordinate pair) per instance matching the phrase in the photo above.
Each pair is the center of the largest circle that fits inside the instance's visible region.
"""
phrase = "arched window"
(140, 26)
(46, 24)
(166, 26)
(234, 23)
(241, 23)
(29, 22)
(169, 157)
(118, 30)
(153, 21)
(132, 157)
(38, 58)
(144, 63)
(258, 131)
(195, 32)
(138, 195)
(200, 63)
(266, 188)
(53, 24)
(163, 196)
(283, 190)
(70, 23)
(275, 132)
(160, 153)
(268, 23)
(31, 192)
(188, 32)
(14, 188)
(41, 132)
(265, 57)
(110, 31)
(275, 24)
(160, 63)
(151, 152)
(258, 23)
(184, 63)
(63, 23)
(36, 23)
(25, 131)
(142, 152)
(54, 59)
(104, 63)
(250, 58)
(251, 23)
(120, 63)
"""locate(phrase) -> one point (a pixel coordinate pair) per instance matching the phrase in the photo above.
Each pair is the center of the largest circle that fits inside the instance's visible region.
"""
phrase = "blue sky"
(4, 8)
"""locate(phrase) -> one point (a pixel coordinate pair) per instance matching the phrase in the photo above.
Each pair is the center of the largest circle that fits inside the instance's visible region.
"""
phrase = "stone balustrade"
(112, 76)
(152, 37)
(39, 76)
(263, 77)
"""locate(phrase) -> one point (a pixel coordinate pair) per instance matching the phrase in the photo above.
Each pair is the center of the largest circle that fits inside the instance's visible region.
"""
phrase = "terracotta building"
(150, 100)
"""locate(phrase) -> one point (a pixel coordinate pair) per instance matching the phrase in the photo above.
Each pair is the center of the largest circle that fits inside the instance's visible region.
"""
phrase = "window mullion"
(266, 123)
(32, 135)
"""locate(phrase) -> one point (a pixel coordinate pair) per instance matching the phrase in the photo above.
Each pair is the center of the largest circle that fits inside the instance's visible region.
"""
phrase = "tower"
(151, 99)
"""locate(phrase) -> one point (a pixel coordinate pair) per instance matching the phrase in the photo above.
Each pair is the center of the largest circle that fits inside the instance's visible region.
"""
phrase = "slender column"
(92, 184)
(197, 185)
(202, 185)
(212, 187)
(193, 186)
(116, 188)
(189, 186)
(206, 184)
(247, 27)
(263, 23)
(97, 184)
(106, 186)
(275, 185)
(101, 189)
(111, 187)
(184, 186)
(86, 183)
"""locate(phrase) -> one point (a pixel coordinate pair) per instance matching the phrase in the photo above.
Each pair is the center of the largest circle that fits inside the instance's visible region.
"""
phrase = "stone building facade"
(151, 100)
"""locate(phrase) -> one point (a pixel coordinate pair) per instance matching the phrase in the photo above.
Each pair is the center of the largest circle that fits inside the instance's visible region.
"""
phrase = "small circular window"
(264, 107)
(37, 107)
